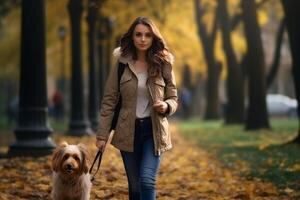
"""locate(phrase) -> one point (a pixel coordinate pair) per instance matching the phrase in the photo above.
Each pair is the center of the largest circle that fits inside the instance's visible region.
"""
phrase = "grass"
(264, 154)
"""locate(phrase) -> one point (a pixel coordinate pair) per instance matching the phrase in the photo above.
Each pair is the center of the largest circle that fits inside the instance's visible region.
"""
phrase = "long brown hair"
(156, 55)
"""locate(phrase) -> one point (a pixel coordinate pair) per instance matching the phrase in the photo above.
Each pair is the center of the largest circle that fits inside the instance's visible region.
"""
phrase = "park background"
(229, 54)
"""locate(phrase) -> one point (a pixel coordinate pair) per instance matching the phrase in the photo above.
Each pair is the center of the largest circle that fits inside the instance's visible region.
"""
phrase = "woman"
(148, 90)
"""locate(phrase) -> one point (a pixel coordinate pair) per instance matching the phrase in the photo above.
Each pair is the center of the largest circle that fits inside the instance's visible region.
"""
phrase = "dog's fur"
(71, 179)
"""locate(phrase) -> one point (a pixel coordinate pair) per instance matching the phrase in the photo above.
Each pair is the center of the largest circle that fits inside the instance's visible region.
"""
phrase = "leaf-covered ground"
(187, 172)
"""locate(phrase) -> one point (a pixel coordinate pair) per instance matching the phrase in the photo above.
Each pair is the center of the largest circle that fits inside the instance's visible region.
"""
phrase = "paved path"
(187, 173)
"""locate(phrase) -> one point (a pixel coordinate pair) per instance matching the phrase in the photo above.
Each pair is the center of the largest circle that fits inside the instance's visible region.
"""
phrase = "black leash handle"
(99, 155)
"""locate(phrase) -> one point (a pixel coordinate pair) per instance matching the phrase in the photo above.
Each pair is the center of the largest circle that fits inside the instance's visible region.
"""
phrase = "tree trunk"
(234, 112)
(291, 9)
(213, 67)
(257, 116)
(277, 54)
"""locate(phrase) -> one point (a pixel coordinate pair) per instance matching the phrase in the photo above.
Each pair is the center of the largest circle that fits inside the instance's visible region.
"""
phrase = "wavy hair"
(156, 55)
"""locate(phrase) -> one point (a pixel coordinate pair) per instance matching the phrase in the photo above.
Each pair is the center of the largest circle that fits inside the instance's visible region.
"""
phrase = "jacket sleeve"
(109, 102)
(171, 97)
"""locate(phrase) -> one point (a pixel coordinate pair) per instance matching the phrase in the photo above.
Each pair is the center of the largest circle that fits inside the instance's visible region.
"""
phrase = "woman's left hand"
(160, 106)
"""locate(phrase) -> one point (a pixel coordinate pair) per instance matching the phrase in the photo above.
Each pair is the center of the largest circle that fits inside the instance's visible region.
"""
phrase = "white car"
(280, 105)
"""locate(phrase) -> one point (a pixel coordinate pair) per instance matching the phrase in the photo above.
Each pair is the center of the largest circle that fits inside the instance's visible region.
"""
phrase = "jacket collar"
(125, 60)
(117, 55)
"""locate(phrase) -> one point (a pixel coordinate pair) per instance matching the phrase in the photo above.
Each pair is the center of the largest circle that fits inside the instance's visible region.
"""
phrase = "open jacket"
(162, 87)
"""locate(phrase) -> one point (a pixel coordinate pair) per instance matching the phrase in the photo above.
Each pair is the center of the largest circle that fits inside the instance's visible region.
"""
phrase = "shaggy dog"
(71, 179)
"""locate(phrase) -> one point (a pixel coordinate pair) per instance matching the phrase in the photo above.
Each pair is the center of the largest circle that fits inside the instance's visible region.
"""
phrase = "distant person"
(186, 101)
(12, 110)
(149, 95)
(58, 105)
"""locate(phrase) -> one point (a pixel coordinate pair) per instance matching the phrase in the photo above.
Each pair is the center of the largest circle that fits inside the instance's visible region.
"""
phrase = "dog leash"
(99, 155)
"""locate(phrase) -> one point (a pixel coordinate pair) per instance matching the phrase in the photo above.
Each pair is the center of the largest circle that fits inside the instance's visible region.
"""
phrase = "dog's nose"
(69, 166)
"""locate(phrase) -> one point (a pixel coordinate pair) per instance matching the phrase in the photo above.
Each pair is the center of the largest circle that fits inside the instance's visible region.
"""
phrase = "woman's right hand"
(100, 144)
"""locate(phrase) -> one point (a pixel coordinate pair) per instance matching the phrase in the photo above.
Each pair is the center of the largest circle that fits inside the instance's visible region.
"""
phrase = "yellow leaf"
(288, 190)
(295, 167)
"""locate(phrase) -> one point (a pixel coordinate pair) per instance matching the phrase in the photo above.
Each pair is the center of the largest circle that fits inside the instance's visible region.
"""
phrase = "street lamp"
(61, 85)
(109, 23)
(78, 125)
(62, 34)
(33, 130)
(93, 104)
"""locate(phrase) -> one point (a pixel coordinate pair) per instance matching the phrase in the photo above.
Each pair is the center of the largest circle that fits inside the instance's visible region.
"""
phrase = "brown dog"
(71, 179)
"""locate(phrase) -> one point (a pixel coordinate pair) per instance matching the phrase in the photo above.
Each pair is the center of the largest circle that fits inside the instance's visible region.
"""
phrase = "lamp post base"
(31, 148)
(79, 128)
(94, 125)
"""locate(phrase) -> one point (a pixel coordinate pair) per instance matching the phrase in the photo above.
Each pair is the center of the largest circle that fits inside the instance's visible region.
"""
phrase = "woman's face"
(142, 37)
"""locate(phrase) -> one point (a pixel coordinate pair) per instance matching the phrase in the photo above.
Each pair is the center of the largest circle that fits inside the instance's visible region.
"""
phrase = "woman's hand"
(100, 144)
(160, 106)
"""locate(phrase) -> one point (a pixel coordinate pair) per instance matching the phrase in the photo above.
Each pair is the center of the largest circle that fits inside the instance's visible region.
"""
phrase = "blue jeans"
(142, 165)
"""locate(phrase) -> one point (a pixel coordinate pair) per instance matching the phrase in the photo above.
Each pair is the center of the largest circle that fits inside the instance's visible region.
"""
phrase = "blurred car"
(280, 105)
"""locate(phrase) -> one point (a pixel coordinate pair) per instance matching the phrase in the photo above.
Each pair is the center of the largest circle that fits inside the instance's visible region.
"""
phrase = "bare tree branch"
(199, 13)
(215, 24)
(276, 59)
(238, 17)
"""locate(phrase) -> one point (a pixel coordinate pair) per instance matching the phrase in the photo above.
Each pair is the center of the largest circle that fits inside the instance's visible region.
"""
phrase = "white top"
(143, 104)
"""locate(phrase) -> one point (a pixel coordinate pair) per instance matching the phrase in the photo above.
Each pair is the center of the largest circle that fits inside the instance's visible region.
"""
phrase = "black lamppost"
(93, 108)
(105, 33)
(109, 23)
(33, 130)
(60, 108)
(62, 35)
(78, 124)
(102, 32)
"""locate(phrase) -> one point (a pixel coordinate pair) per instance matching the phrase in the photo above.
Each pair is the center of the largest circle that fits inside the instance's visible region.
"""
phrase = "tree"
(6, 6)
(186, 79)
(234, 112)
(291, 9)
(257, 116)
(276, 60)
(213, 66)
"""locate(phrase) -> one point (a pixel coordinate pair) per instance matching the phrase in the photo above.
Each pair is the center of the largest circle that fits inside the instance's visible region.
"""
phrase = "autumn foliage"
(187, 172)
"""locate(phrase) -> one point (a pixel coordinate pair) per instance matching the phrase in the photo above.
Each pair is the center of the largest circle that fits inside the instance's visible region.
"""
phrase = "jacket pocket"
(122, 121)
(125, 78)
(126, 86)
(124, 115)
(159, 89)
(164, 125)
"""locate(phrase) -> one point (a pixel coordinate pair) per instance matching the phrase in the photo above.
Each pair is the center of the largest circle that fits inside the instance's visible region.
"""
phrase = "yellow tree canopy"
(175, 19)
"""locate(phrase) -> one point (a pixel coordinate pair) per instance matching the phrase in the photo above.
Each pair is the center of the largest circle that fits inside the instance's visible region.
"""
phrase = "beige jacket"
(162, 87)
